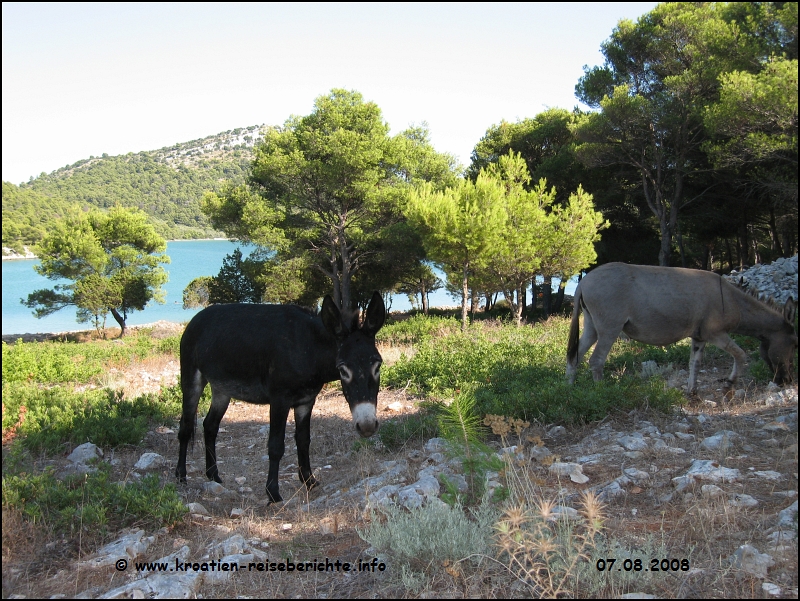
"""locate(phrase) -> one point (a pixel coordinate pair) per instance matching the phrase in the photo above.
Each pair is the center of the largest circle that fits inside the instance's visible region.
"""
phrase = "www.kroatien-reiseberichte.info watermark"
(218, 565)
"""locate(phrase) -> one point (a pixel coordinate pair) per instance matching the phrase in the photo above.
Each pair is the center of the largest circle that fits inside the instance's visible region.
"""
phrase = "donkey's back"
(658, 305)
(258, 347)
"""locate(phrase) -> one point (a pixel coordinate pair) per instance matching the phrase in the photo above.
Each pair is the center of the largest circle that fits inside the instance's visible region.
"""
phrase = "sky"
(83, 79)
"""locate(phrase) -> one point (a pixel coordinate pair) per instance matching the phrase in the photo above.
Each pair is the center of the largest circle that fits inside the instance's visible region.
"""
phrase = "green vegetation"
(500, 235)
(326, 190)
(62, 362)
(28, 215)
(92, 502)
(520, 373)
(45, 410)
(675, 94)
(430, 535)
(415, 329)
(51, 401)
(167, 184)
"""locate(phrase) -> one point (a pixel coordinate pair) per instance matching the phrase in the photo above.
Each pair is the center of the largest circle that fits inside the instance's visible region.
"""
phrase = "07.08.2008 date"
(635, 565)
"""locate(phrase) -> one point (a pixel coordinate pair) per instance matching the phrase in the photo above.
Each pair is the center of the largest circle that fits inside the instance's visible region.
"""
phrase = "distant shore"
(15, 256)
(162, 326)
(12, 255)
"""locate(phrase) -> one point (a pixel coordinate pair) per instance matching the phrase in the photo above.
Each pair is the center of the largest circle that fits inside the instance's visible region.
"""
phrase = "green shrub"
(92, 501)
(421, 539)
(417, 328)
(55, 416)
(395, 433)
(170, 346)
(55, 362)
(520, 372)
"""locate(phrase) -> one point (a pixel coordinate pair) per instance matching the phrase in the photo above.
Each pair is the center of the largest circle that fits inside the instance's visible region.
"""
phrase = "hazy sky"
(84, 79)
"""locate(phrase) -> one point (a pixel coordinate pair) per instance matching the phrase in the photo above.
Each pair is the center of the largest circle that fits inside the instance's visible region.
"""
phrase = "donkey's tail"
(572, 341)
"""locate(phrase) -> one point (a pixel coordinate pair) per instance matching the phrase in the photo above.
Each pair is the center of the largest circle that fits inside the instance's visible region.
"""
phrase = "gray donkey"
(661, 305)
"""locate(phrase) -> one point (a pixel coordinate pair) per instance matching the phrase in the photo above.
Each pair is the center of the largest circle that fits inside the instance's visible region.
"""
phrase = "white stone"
(720, 441)
(748, 559)
(149, 461)
(573, 470)
(197, 508)
(85, 452)
(742, 501)
(711, 491)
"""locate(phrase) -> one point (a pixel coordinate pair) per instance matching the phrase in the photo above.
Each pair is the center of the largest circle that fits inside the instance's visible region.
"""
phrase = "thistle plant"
(544, 548)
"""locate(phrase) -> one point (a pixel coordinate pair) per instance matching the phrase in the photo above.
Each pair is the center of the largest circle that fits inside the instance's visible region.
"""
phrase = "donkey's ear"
(375, 316)
(789, 311)
(332, 319)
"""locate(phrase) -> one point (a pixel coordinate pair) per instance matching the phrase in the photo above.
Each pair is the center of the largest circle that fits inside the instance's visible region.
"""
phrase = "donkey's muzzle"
(365, 419)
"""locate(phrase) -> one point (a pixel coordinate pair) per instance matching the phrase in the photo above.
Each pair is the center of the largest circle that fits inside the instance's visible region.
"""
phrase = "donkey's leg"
(278, 412)
(302, 436)
(598, 359)
(589, 336)
(192, 385)
(219, 405)
(695, 356)
(723, 341)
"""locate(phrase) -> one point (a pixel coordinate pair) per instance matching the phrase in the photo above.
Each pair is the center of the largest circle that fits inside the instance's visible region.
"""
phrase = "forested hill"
(167, 184)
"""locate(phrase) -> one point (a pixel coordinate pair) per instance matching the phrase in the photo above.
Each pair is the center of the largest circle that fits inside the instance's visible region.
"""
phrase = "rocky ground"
(714, 483)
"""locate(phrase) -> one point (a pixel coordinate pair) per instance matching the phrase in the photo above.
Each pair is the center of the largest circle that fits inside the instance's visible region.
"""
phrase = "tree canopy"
(113, 260)
(672, 99)
(327, 188)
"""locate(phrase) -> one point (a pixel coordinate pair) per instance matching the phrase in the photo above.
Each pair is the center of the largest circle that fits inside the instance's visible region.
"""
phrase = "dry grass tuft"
(544, 548)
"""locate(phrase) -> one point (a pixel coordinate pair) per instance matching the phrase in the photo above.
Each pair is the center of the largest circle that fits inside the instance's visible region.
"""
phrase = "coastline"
(15, 256)
(161, 329)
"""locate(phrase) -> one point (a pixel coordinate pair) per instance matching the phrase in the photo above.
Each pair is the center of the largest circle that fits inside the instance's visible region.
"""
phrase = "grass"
(92, 501)
(50, 405)
(61, 362)
(519, 372)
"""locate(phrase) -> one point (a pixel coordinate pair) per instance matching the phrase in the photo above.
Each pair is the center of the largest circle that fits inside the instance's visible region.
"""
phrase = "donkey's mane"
(768, 301)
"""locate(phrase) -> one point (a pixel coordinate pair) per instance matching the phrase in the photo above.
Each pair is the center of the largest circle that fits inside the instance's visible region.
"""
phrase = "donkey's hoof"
(310, 482)
(726, 383)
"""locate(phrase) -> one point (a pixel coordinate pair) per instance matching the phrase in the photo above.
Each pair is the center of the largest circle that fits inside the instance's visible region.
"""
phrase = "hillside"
(167, 184)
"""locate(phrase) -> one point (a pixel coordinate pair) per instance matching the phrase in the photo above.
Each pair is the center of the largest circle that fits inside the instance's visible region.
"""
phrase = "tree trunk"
(346, 273)
(730, 254)
(773, 230)
(464, 294)
(680, 245)
(520, 306)
(559, 302)
(666, 240)
(120, 320)
(547, 294)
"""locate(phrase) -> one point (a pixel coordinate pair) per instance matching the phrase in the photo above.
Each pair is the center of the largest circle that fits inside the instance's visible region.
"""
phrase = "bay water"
(190, 259)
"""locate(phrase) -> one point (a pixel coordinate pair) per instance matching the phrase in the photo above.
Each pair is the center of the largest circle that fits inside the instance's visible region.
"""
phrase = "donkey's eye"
(345, 373)
(376, 370)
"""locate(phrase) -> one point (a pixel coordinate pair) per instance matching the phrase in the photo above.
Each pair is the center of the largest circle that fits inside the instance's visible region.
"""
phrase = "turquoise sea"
(190, 259)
